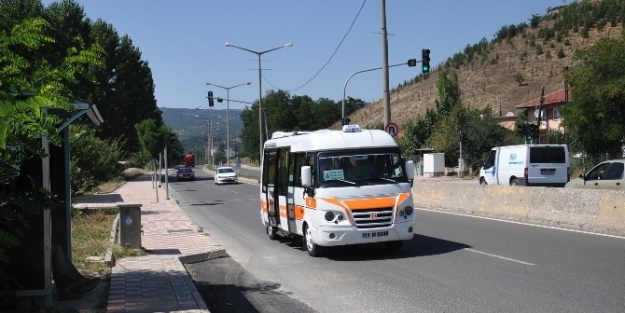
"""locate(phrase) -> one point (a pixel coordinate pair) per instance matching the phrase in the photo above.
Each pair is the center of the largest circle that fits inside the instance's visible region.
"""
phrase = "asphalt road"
(455, 263)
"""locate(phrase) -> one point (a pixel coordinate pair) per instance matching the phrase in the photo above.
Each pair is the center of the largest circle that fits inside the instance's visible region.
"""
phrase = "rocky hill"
(493, 79)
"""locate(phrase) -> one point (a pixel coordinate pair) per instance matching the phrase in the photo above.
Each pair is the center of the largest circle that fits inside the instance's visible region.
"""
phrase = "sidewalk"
(158, 282)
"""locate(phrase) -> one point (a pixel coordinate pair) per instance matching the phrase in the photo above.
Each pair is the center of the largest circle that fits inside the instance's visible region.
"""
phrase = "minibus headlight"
(329, 216)
(409, 210)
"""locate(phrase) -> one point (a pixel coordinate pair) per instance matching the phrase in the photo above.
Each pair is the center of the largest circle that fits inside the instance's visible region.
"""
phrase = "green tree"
(152, 137)
(36, 83)
(417, 133)
(220, 154)
(93, 160)
(595, 119)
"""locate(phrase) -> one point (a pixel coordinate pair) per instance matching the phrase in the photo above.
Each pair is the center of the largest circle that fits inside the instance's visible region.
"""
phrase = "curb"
(109, 258)
(205, 256)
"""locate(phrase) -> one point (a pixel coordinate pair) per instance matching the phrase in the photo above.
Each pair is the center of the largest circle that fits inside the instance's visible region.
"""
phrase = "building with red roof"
(549, 108)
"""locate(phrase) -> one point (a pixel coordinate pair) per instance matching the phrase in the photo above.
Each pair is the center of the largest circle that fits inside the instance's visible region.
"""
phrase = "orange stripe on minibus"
(299, 212)
(363, 204)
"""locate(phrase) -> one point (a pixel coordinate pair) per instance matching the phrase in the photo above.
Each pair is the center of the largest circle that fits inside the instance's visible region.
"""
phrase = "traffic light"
(462, 137)
(522, 130)
(534, 131)
(211, 102)
(346, 121)
(531, 132)
(425, 60)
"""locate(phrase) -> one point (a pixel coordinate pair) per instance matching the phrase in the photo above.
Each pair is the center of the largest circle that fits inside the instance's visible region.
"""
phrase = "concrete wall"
(590, 210)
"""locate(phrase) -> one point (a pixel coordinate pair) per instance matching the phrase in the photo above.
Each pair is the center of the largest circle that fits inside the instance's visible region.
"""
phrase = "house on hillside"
(556, 9)
(546, 114)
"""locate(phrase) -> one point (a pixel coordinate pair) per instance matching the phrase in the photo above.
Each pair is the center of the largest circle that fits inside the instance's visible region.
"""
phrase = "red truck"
(189, 160)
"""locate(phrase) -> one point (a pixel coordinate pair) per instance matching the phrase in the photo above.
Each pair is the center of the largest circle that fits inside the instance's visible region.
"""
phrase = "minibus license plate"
(548, 172)
(375, 234)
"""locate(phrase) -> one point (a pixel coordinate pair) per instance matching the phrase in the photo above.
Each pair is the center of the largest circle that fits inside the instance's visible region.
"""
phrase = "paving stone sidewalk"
(158, 282)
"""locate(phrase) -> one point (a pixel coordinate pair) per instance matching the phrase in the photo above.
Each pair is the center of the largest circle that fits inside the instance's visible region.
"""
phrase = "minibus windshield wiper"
(382, 178)
(341, 180)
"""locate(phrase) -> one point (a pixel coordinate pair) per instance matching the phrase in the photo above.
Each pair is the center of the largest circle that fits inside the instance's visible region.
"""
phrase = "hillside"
(191, 125)
(489, 79)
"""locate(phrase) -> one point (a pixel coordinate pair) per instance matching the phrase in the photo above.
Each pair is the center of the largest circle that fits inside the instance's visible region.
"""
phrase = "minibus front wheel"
(313, 249)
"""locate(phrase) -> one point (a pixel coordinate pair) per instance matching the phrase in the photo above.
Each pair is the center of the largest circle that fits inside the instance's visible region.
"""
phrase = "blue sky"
(183, 42)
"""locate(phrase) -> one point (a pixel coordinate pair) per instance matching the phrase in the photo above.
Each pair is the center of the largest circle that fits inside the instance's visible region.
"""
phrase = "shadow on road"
(419, 246)
(225, 286)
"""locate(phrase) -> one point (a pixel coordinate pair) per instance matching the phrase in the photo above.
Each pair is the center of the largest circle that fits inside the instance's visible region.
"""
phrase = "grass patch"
(109, 186)
(120, 252)
(91, 233)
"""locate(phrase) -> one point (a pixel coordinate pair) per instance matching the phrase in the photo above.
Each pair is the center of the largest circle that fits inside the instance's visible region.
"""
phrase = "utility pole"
(540, 113)
(208, 142)
(387, 95)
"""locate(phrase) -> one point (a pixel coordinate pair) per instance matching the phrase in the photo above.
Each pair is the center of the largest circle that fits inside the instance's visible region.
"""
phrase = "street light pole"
(260, 90)
(363, 71)
(228, 116)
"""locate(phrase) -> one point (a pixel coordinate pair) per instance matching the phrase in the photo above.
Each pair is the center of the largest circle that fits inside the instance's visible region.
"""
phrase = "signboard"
(392, 129)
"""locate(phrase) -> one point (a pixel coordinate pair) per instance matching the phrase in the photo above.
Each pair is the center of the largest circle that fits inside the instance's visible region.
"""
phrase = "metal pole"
(387, 95)
(540, 113)
(352, 75)
(266, 128)
(228, 116)
(227, 126)
(260, 91)
(260, 118)
(461, 161)
(166, 176)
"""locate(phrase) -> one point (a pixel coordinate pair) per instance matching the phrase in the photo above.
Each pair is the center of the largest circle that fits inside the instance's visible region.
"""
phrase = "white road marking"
(499, 257)
(525, 224)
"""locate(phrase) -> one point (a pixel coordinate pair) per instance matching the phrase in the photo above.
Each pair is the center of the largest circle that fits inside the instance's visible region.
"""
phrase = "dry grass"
(490, 83)
(91, 232)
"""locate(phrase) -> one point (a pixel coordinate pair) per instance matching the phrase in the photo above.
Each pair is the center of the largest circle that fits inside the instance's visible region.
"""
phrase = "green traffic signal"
(425, 61)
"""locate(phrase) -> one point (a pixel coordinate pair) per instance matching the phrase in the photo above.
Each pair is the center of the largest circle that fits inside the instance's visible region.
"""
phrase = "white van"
(527, 165)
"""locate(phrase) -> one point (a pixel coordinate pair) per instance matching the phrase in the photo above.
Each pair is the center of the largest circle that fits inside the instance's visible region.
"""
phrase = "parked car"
(185, 173)
(605, 175)
(226, 175)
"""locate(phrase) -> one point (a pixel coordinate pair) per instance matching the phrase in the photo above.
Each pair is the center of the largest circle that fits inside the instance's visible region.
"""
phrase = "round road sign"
(392, 129)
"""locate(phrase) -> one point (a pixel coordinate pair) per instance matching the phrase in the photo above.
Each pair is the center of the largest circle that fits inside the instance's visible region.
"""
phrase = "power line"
(331, 56)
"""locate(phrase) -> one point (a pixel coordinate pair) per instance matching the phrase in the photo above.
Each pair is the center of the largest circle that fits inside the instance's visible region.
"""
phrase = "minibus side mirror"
(306, 176)
(410, 171)
(307, 181)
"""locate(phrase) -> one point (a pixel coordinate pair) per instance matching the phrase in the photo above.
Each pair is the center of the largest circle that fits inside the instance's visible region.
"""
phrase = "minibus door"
(270, 170)
(281, 188)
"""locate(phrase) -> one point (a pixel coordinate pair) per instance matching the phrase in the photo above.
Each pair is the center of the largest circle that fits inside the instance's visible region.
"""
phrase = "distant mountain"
(191, 125)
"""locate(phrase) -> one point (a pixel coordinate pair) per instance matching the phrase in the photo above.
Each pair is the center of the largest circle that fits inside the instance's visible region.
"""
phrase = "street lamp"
(228, 116)
(260, 90)
(411, 62)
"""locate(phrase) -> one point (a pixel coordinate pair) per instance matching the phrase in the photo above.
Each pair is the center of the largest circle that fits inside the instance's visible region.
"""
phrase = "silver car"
(605, 175)
(226, 175)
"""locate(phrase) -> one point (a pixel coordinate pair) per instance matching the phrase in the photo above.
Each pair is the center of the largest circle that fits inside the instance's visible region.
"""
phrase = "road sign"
(392, 129)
